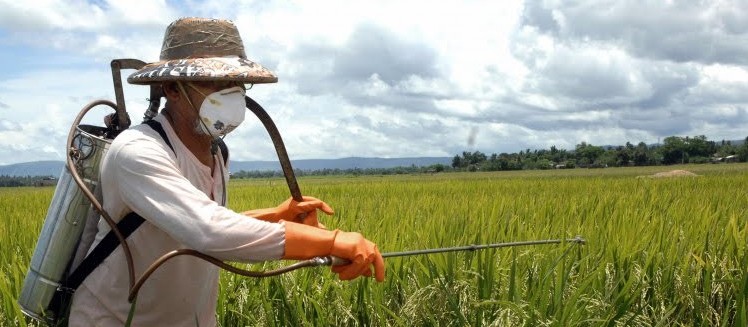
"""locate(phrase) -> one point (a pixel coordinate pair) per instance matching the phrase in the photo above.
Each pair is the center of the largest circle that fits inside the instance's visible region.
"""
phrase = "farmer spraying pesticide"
(149, 256)
(164, 183)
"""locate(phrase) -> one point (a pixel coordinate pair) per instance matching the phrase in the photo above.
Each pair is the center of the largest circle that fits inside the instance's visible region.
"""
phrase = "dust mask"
(222, 111)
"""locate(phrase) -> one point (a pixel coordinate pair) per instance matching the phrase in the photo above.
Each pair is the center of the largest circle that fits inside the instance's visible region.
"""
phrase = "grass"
(660, 252)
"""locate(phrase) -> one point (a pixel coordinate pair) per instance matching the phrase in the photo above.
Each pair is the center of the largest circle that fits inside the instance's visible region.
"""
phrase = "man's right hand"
(305, 242)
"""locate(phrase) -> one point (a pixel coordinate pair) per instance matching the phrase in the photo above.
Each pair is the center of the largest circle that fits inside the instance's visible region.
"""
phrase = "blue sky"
(401, 78)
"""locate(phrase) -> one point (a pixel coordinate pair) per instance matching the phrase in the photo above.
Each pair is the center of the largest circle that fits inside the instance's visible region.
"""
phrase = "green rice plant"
(659, 252)
(23, 211)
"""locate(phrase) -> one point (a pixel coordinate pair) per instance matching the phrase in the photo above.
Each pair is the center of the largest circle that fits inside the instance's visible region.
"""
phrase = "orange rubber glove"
(305, 242)
(290, 209)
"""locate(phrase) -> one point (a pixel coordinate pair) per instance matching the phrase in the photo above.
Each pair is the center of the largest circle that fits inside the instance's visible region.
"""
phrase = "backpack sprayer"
(71, 222)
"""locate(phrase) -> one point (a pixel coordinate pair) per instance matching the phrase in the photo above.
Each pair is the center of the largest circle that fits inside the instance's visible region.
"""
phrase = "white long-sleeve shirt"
(177, 196)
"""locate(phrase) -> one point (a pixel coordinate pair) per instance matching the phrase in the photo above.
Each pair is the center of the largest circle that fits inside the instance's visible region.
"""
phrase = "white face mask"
(221, 112)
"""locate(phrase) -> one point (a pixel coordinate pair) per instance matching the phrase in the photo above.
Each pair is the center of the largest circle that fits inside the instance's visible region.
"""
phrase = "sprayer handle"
(335, 261)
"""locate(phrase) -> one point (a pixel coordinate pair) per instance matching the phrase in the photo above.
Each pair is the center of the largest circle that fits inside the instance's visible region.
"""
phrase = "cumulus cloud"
(394, 79)
(371, 62)
(634, 65)
(7, 125)
(103, 30)
(682, 31)
(373, 50)
(78, 15)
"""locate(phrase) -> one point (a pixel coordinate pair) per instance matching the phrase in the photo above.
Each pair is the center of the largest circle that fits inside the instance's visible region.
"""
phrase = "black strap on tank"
(126, 226)
(63, 295)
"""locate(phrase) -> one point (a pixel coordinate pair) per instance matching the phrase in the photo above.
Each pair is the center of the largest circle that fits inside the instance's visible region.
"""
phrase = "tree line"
(673, 150)
(18, 181)
(412, 169)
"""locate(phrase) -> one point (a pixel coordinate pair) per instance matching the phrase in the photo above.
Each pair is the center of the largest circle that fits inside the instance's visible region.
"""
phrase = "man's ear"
(171, 91)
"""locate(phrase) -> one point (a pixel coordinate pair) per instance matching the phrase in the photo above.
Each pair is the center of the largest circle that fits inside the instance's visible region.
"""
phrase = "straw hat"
(201, 49)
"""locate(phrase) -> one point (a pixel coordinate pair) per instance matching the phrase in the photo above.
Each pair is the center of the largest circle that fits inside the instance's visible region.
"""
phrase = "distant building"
(728, 159)
(46, 181)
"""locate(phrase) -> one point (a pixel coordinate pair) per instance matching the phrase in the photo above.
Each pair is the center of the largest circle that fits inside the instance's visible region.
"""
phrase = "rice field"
(659, 251)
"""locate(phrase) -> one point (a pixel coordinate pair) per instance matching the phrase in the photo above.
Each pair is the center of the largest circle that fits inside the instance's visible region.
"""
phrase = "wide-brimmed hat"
(201, 49)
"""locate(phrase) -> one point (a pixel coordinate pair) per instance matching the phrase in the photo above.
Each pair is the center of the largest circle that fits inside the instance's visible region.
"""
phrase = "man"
(177, 184)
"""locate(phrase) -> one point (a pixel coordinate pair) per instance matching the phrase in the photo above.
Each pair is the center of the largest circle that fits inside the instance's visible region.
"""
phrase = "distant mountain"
(732, 142)
(342, 163)
(53, 168)
(36, 168)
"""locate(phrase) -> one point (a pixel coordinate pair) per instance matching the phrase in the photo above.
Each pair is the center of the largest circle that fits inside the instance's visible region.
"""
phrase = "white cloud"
(51, 15)
(82, 16)
(395, 79)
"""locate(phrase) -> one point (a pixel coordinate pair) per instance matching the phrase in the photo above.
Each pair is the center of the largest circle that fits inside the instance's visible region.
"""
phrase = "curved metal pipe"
(331, 260)
(123, 120)
(280, 148)
(248, 273)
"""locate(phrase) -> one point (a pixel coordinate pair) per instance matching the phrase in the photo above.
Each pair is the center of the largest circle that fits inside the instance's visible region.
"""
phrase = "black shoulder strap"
(160, 130)
(224, 150)
(126, 226)
(61, 299)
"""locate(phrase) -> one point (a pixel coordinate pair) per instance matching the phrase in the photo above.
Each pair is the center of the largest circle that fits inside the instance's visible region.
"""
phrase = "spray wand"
(331, 260)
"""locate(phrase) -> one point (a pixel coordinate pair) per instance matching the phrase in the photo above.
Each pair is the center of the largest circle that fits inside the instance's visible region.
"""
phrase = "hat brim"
(204, 69)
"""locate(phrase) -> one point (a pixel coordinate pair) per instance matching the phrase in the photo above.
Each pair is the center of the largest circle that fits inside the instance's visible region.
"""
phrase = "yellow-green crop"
(659, 252)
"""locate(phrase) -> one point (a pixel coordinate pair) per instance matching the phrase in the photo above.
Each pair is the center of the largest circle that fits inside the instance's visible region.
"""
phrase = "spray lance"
(331, 260)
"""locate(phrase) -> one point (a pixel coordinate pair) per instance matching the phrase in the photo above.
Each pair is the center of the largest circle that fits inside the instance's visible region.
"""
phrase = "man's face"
(198, 91)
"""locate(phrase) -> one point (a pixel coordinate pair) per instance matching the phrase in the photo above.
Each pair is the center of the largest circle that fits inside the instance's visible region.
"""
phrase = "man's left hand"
(290, 210)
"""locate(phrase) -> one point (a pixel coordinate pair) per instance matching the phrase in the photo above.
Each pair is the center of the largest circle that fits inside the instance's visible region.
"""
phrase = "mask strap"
(196, 90)
(184, 93)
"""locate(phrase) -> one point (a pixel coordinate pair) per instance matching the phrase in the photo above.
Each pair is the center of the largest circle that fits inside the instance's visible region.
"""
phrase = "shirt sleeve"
(151, 185)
